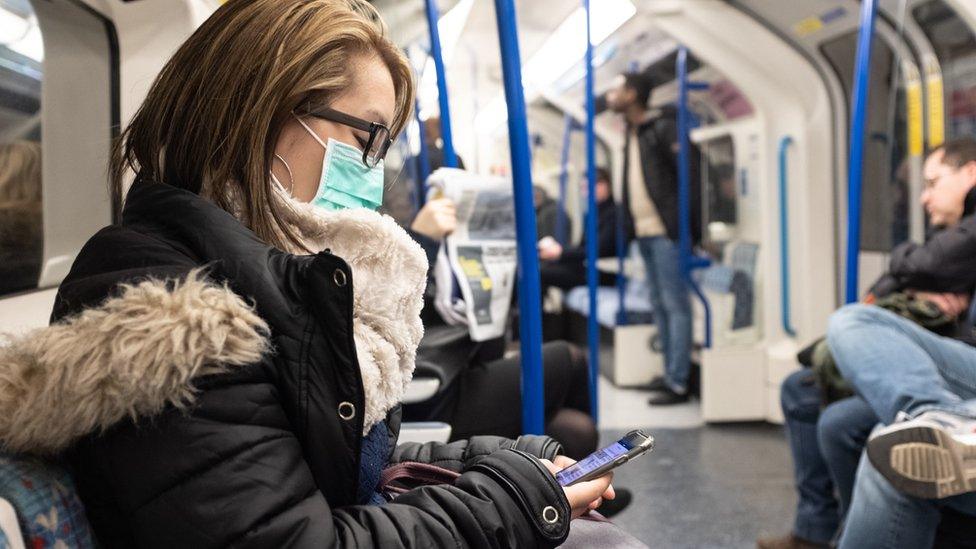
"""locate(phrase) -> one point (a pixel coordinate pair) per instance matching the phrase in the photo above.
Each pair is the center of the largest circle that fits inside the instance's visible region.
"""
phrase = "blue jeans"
(817, 514)
(672, 307)
(884, 518)
(842, 430)
(898, 366)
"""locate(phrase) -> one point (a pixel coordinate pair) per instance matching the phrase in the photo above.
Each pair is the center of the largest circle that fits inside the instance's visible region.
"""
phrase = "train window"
(21, 233)
(719, 196)
(884, 215)
(955, 47)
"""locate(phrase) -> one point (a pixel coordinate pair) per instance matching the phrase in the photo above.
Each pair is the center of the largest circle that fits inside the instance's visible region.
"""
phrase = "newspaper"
(475, 270)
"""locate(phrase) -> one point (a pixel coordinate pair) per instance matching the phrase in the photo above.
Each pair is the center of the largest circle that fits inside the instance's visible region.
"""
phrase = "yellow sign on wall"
(807, 26)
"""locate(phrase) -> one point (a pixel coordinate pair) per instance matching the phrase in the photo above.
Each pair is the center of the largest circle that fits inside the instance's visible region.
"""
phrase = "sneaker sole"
(924, 462)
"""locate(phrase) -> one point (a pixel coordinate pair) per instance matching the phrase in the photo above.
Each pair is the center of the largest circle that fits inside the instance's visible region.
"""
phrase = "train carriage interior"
(785, 150)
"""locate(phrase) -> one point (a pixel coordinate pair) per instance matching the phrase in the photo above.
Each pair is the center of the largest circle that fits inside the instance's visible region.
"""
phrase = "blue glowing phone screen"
(591, 462)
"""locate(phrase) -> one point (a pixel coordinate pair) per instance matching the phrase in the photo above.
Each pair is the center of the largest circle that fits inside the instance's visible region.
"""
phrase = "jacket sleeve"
(205, 478)
(945, 263)
(460, 455)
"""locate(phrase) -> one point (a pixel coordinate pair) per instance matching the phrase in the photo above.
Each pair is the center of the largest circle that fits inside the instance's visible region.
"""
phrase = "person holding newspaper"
(479, 388)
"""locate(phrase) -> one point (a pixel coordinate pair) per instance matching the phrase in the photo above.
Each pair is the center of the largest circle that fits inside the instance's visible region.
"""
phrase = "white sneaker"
(932, 456)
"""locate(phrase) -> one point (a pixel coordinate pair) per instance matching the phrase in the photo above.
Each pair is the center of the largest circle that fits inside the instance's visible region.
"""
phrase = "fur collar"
(389, 271)
(129, 357)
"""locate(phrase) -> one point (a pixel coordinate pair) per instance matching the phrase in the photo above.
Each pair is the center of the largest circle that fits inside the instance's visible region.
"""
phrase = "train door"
(790, 99)
(825, 32)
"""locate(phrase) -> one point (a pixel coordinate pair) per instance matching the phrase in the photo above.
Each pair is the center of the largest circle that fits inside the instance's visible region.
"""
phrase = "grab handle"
(784, 237)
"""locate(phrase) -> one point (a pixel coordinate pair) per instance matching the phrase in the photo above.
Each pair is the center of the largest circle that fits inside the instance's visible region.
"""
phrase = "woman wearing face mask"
(226, 363)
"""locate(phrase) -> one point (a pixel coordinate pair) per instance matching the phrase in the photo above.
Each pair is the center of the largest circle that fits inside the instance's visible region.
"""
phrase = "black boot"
(611, 507)
(667, 397)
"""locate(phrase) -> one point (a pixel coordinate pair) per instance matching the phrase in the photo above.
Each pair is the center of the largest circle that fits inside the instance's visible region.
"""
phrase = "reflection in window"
(885, 189)
(21, 236)
(955, 47)
(718, 172)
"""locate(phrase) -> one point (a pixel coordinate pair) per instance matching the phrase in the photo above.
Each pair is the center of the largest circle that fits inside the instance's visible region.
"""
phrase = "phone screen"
(591, 462)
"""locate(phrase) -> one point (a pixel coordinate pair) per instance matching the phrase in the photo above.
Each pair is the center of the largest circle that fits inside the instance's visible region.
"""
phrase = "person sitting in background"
(920, 384)
(565, 267)
(547, 212)
(435, 145)
(21, 229)
(480, 390)
(826, 445)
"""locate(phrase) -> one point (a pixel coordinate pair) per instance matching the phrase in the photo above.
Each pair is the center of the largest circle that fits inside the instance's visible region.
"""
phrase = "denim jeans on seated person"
(881, 517)
(898, 366)
(817, 513)
(672, 307)
(842, 431)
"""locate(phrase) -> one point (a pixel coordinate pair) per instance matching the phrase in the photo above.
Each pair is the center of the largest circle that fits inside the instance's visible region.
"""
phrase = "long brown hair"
(213, 115)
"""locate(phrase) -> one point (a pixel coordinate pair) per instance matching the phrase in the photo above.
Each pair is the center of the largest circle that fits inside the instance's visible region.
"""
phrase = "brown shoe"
(789, 541)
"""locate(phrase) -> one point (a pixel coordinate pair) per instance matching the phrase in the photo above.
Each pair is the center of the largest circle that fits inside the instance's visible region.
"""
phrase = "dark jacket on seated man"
(946, 262)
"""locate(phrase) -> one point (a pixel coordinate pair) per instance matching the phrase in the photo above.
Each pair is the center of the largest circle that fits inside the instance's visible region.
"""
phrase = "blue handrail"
(561, 220)
(862, 83)
(450, 158)
(784, 237)
(685, 254)
(592, 236)
(530, 332)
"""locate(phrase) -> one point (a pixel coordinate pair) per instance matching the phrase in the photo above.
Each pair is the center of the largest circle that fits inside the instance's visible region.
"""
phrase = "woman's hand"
(437, 219)
(583, 496)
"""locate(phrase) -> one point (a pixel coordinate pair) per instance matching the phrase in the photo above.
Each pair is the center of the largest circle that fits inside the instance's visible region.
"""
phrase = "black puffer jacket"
(657, 140)
(946, 262)
(196, 418)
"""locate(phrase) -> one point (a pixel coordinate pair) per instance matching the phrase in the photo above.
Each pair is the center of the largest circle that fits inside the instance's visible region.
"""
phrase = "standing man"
(651, 200)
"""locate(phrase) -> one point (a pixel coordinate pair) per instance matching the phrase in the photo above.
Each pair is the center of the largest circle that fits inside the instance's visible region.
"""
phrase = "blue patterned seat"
(48, 509)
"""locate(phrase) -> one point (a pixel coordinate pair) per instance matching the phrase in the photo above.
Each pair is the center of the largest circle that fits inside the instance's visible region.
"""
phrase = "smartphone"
(599, 463)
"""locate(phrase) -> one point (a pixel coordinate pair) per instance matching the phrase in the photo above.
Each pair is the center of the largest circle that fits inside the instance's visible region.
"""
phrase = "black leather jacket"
(266, 456)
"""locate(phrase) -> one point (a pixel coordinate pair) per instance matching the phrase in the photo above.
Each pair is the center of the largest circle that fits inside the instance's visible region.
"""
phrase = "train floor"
(704, 485)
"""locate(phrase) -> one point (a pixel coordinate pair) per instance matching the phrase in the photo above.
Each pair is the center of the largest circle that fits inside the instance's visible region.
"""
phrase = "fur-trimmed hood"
(139, 351)
(130, 357)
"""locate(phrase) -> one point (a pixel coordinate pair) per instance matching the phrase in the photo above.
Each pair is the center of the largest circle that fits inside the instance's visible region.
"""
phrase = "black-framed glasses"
(379, 135)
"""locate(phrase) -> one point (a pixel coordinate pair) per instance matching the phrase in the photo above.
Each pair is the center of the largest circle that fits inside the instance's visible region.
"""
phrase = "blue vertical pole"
(423, 163)
(855, 167)
(561, 235)
(530, 300)
(684, 163)
(687, 260)
(592, 238)
(621, 246)
(450, 158)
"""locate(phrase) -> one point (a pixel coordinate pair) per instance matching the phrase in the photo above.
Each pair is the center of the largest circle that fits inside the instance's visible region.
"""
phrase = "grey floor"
(708, 486)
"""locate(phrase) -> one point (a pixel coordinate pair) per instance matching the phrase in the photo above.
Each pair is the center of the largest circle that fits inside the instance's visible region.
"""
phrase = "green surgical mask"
(346, 183)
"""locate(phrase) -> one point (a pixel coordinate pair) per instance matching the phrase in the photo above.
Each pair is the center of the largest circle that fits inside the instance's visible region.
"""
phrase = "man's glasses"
(379, 135)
